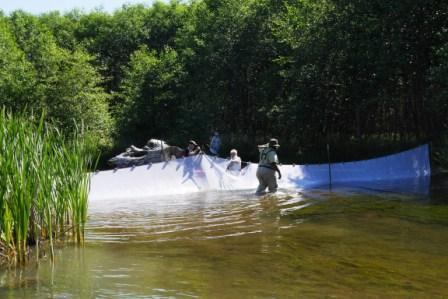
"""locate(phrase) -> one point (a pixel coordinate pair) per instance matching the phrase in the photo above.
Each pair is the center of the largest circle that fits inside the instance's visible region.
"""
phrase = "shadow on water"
(347, 242)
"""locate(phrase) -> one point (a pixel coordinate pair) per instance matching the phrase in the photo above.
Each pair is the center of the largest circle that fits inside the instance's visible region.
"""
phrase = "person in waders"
(267, 167)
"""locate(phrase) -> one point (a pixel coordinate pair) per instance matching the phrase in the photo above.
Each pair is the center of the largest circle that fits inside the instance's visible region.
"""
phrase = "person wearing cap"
(268, 166)
(234, 166)
(192, 149)
(215, 144)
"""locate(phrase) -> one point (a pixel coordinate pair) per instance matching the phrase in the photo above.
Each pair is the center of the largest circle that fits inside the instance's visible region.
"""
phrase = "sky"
(42, 6)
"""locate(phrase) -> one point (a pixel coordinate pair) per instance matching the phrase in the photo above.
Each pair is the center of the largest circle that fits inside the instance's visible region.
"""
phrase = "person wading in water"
(267, 167)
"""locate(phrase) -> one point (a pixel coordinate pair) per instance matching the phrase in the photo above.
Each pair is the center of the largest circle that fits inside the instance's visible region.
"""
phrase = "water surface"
(343, 243)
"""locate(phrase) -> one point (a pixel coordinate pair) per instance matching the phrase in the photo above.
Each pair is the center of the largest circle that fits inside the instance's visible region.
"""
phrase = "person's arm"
(196, 151)
(275, 166)
(274, 162)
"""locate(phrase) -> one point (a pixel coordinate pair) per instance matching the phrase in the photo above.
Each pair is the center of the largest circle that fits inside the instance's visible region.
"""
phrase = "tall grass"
(43, 185)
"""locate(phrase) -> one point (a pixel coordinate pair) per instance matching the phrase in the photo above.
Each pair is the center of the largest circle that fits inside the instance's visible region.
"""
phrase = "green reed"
(44, 184)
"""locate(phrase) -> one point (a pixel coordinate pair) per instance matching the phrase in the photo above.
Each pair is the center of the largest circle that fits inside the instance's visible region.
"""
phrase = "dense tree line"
(363, 76)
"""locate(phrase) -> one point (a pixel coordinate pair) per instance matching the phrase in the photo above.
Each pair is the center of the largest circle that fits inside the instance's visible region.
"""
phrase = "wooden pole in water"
(329, 164)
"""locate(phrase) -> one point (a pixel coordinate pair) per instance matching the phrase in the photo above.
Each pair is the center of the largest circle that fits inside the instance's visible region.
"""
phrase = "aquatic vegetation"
(43, 184)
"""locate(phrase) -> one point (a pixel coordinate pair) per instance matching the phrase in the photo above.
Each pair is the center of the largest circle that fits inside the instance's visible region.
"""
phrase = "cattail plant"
(44, 184)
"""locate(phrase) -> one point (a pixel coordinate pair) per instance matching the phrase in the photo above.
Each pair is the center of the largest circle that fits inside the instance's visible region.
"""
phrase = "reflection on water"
(317, 243)
(203, 216)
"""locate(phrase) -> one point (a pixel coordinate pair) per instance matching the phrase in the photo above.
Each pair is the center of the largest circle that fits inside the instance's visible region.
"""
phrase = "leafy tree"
(63, 27)
(65, 83)
(362, 64)
(150, 95)
(228, 49)
(361, 75)
(17, 76)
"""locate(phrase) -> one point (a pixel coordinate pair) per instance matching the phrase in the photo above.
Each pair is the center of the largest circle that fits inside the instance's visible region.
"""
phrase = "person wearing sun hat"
(192, 149)
(234, 166)
(268, 166)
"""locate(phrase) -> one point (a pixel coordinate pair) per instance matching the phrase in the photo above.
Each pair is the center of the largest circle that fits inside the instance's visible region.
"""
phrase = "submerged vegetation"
(43, 187)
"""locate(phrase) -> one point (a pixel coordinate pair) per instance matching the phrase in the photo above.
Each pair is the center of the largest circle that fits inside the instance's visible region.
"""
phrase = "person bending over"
(192, 149)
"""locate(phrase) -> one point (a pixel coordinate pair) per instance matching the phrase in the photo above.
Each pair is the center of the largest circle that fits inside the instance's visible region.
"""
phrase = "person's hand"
(279, 176)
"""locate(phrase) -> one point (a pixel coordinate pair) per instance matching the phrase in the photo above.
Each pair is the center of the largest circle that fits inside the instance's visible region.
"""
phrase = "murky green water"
(342, 244)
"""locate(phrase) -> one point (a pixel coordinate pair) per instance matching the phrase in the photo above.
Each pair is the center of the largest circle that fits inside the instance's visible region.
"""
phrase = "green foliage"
(358, 69)
(232, 76)
(149, 102)
(113, 38)
(17, 76)
(63, 27)
(44, 76)
(356, 74)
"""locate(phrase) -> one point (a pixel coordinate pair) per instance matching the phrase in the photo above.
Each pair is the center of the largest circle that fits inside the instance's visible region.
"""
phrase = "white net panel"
(409, 170)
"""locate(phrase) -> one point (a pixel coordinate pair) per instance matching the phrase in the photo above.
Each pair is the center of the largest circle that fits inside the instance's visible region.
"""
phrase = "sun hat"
(273, 142)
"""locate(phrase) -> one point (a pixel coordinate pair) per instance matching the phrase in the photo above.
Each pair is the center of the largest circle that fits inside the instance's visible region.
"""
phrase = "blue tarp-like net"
(408, 171)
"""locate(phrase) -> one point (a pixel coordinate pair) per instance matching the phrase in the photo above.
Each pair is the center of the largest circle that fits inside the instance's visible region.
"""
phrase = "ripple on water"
(312, 244)
(196, 216)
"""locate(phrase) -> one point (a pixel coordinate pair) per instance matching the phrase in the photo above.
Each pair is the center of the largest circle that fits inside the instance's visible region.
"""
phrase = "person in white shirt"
(234, 166)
